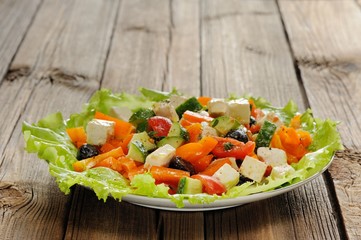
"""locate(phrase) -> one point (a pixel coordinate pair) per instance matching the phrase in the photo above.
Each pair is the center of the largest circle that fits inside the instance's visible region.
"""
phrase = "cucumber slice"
(224, 124)
(189, 185)
(265, 134)
(175, 141)
(178, 131)
(144, 138)
(140, 117)
(191, 104)
(137, 151)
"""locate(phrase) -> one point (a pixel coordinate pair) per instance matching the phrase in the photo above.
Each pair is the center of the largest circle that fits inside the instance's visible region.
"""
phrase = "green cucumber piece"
(191, 104)
(265, 134)
(224, 124)
(177, 130)
(174, 141)
(137, 151)
(140, 118)
(144, 138)
(189, 185)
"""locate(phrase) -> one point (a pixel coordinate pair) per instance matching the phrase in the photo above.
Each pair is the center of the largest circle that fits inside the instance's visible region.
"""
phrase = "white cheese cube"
(122, 113)
(253, 168)
(208, 130)
(227, 175)
(233, 163)
(240, 110)
(176, 100)
(160, 157)
(217, 107)
(272, 156)
(165, 109)
(282, 171)
(98, 131)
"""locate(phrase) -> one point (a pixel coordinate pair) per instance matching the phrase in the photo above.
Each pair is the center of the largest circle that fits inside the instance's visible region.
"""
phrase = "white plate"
(166, 204)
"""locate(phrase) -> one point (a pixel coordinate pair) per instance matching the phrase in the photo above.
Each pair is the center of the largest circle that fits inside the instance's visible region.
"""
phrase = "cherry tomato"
(210, 184)
(228, 147)
(160, 125)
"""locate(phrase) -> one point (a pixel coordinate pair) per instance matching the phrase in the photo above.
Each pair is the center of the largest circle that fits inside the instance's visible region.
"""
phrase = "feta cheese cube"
(240, 110)
(122, 113)
(160, 157)
(227, 175)
(217, 107)
(282, 171)
(165, 109)
(253, 168)
(272, 156)
(176, 100)
(208, 130)
(98, 131)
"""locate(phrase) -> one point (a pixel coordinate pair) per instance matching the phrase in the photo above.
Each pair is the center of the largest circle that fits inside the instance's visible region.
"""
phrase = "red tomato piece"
(210, 184)
(229, 147)
(160, 125)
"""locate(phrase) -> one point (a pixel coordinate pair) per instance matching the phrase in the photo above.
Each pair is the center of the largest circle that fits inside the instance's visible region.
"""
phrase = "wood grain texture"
(57, 75)
(324, 37)
(243, 44)
(138, 55)
(15, 18)
(94, 219)
(184, 49)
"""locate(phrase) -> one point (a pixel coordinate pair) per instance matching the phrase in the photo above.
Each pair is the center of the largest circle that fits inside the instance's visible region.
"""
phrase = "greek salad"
(169, 145)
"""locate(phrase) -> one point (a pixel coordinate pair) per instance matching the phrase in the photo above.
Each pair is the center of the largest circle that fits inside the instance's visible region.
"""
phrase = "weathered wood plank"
(151, 49)
(49, 73)
(244, 50)
(247, 47)
(94, 219)
(15, 18)
(184, 49)
(138, 53)
(324, 37)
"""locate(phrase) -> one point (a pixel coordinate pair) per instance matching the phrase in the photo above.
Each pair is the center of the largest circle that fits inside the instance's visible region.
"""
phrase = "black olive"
(179, 163)
(243, 179)
(252, 121)
(239, 134)
(87, 151)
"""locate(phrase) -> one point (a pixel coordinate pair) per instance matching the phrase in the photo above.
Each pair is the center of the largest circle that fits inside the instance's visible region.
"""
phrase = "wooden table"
(55, 54)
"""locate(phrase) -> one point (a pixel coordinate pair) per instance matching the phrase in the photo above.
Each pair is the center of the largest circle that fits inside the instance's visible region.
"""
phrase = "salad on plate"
(182, 148)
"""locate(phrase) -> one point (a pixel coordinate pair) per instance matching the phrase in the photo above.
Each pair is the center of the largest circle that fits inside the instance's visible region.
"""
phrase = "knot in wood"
(62, 77)
(12, 195)
(17, 73)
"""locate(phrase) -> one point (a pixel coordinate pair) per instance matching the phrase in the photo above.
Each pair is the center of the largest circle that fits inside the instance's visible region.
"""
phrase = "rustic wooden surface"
(55, 54)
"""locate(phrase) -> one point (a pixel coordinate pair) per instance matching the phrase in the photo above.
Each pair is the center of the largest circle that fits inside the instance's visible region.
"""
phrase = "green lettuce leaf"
(104, 100)
(49, 140)
(157, 96)
(286, 113)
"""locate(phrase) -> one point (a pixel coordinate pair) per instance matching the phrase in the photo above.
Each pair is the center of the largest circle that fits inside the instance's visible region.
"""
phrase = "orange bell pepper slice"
(167, 175)
(195, 117)
(77, 136)
(122, 128)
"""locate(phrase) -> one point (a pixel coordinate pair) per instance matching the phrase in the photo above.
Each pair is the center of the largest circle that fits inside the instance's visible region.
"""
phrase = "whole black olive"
(179, 163)
(239, 134)
(87, 151)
